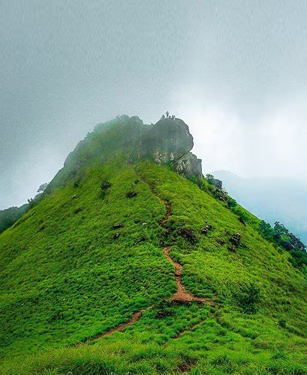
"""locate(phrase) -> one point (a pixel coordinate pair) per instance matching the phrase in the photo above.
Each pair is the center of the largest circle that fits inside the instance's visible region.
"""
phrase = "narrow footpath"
(180, 296)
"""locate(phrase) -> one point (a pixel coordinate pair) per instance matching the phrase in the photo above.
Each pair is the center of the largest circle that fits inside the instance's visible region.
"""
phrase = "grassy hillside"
(89, 257)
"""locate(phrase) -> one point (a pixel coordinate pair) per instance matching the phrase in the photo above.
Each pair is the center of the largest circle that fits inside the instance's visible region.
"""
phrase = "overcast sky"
(234, 71)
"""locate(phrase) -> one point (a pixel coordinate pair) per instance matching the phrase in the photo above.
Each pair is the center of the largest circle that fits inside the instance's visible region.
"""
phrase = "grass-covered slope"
(84, 260)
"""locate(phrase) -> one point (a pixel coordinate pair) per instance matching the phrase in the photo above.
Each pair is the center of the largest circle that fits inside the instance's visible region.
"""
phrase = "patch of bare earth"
(135, 318)
(182, 295)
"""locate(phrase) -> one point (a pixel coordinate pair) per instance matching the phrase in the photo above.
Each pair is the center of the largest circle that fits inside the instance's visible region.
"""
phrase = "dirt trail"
(168, 211)
(122, 326)
(181, 295)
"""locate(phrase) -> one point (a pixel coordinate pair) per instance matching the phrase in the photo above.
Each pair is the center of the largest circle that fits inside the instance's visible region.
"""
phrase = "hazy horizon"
(235, 72)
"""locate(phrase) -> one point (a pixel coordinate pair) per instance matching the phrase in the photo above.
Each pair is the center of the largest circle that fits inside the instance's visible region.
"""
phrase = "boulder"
(214, 181)
(217, 183)
(105, 185)
(168, 140)
(131, 194)
(236, 239)
(118, 225)
(189, 166)
(187, 234)
(206, 229)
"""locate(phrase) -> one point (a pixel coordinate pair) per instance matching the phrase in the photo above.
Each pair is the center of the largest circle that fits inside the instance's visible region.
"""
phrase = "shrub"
(248, 298)
(299, 259)
(131, 194)
(105, 185)
(282, 323)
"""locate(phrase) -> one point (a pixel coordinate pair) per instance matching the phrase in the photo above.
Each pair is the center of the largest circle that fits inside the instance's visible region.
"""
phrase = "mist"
(235, 72)
(271, 143)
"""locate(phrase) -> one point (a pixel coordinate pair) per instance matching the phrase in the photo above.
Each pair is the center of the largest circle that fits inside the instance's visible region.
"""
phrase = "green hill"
(124, 266)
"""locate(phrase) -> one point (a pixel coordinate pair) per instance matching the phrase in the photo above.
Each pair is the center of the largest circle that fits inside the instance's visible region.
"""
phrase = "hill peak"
(169, 139)
(168, 142)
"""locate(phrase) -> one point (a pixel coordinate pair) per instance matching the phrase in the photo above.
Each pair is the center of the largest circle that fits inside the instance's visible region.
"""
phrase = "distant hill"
(272, 199)
(130, 262)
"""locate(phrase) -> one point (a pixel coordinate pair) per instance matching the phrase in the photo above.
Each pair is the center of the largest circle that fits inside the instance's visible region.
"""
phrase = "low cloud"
(40, 166)
(270, 143)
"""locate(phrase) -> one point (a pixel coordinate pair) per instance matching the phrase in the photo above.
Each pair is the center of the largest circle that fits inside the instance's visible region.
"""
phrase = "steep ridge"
(95, 258)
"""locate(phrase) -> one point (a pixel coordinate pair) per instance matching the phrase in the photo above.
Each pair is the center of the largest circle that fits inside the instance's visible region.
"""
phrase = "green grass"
(67, 275)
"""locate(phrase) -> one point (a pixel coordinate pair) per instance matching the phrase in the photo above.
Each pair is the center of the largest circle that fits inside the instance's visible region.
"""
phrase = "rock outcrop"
(170, 141)
(189, 166)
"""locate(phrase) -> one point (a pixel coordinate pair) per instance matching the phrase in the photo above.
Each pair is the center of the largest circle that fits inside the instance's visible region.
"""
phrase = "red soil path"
(181, 295)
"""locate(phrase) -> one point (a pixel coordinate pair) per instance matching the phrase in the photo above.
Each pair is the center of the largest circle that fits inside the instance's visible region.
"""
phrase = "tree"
(42, 188)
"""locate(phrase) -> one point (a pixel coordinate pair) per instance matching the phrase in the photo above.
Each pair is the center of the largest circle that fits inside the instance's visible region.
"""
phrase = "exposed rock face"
(189, 166)
(206, 229)
(214, 181)
(236, 239)
(217, 183)
(170, 141)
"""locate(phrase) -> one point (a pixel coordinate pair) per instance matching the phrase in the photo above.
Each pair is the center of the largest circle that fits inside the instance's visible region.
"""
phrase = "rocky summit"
(168, 142)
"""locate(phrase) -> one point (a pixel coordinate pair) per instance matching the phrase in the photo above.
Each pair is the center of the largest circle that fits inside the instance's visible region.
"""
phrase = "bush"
(131, 194)
(248, 298)
(105, 185)
(299, 259)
